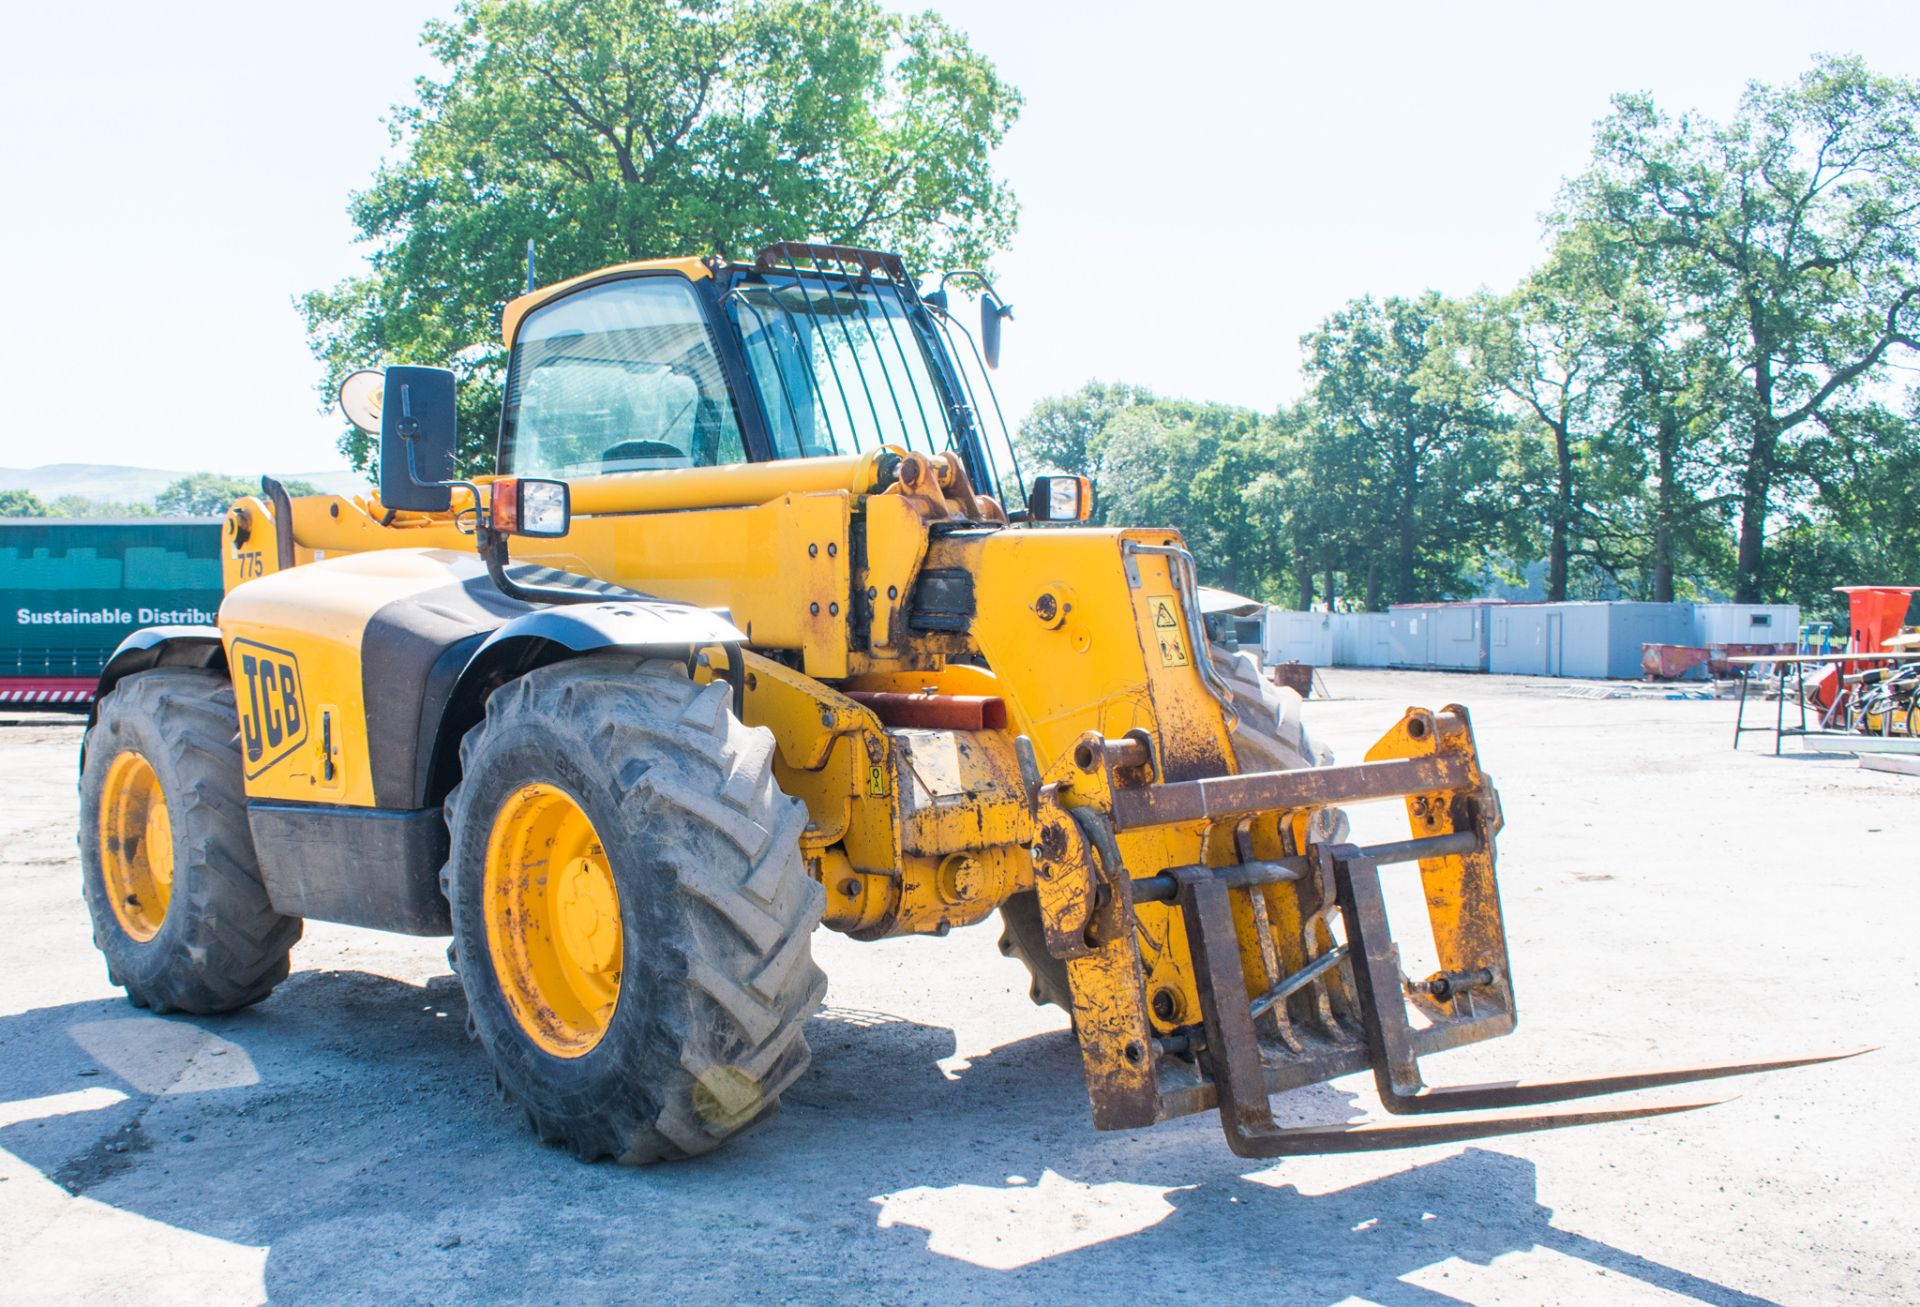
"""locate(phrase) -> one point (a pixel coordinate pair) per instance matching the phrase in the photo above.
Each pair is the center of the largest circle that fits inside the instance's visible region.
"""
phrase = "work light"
(531, 506)
(1060, 499)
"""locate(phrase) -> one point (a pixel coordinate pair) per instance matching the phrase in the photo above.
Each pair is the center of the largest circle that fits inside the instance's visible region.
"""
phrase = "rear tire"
(714, 977)
(1268, 736)
(206, 939)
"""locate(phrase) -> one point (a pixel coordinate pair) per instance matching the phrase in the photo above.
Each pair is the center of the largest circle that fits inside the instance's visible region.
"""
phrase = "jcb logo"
(273, 720)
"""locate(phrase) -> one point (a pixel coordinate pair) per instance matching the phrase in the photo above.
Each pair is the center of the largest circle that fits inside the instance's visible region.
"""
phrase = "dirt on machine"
(758, 625)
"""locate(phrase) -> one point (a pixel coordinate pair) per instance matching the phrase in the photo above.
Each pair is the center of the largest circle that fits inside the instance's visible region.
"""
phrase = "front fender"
(642, 625)
(647, 627)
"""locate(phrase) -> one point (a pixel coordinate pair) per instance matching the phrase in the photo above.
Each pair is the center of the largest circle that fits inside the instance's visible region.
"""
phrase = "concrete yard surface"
(1668, 899)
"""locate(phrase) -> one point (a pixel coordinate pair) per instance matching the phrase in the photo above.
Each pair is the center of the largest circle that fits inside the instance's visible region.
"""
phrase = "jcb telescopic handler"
(784, 638)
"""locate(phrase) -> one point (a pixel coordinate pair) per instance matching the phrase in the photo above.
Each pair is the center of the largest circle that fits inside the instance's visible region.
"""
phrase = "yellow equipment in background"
(785, 638)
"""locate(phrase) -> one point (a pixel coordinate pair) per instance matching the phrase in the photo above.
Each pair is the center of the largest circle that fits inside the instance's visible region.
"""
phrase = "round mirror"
(360, 396)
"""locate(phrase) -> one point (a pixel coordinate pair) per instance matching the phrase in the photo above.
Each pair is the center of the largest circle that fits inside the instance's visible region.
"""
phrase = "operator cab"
(810, 351)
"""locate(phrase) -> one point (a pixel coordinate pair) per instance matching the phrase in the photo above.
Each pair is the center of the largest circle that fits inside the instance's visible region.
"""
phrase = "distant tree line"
(1704, 389)
(201, 494)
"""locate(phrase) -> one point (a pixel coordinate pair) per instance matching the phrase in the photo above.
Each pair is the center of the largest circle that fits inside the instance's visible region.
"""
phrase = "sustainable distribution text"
(113, 617)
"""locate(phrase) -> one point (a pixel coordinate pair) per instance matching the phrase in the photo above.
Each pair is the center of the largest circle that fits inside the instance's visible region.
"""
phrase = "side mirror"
(418, 430)
(991, 311)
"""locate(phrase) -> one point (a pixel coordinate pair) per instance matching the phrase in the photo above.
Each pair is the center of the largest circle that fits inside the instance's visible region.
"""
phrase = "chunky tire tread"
(719, 912)
(221, 946)
(1268, 736)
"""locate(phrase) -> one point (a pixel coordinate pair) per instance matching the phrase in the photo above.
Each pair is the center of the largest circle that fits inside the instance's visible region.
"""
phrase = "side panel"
(375, 867)
(783, 568)
(293, 643)
(72, 590)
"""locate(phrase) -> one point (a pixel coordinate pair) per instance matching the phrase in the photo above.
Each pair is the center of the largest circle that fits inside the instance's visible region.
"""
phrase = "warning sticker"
(1168, 631)
(876, 781)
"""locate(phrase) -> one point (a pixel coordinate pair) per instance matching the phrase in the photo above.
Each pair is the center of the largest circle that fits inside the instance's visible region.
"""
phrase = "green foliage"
(1066, 433)
(1411, 455)
(1164, 462)
(607, 131)
(84, 506)
(1784, 242)
(21, 503)
(208, 494)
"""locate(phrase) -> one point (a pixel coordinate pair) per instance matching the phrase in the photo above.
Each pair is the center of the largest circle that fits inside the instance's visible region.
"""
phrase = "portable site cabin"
(1597, 640)
(1362, 639)
(1296, 637)
(1527, 640)
(1745, 624)
(1440, 637)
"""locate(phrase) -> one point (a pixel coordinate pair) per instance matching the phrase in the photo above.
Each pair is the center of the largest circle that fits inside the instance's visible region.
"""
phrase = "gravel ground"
(1667, 898)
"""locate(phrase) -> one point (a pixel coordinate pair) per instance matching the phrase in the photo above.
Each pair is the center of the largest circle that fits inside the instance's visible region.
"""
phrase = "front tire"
(632, 915)
(166, 858)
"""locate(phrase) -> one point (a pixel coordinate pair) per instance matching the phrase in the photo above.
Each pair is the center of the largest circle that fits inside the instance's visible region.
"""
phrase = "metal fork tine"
(1529, 1093)
(1375, 1136)
(1230, 1049)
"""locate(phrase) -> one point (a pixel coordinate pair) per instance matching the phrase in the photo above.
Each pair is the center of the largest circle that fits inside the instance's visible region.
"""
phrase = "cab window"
(620, 377)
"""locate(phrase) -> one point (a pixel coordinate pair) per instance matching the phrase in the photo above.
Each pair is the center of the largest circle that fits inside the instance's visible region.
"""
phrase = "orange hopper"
(1874, 613)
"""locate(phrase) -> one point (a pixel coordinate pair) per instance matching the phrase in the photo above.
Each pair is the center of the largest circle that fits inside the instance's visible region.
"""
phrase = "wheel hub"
(589, 914)
(553, 919)
(136, 846)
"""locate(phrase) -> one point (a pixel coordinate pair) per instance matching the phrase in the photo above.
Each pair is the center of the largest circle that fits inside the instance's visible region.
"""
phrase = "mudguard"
(642, 625)
(533, 639)
(159, 646)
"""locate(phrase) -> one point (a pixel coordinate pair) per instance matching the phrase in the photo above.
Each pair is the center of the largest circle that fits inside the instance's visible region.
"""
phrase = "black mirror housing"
(991, 312)
(419, 429)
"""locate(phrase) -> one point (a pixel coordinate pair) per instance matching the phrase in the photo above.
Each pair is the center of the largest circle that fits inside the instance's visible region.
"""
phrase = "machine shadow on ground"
(349, 1126)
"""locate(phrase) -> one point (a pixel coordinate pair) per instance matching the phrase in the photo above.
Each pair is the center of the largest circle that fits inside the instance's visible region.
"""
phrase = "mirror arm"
(493, 549)
(978, 276)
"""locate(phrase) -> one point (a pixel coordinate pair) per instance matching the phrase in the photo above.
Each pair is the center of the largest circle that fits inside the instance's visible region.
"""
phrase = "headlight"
(531, 506)
(1060, 499)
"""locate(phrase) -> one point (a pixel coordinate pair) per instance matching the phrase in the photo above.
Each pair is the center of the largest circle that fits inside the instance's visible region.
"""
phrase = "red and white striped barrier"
(31, 691)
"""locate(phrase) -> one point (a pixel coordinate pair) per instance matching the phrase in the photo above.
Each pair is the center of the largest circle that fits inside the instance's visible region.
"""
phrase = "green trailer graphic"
(72, 589)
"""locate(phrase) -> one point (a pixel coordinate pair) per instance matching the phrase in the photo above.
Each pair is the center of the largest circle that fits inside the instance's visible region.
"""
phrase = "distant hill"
(114, 481)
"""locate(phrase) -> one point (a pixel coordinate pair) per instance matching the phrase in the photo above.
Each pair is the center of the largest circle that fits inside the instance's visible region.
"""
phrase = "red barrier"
(45, 691)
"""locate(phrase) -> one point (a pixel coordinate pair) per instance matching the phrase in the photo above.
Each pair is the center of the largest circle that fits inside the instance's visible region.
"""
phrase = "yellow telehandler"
(785, 637)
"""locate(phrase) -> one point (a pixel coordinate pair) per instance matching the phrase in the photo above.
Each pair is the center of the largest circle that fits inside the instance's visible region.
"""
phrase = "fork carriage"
(1329, 1005)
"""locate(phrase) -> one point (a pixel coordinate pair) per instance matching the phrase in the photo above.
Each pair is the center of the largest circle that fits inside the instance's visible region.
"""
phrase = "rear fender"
(159, 646)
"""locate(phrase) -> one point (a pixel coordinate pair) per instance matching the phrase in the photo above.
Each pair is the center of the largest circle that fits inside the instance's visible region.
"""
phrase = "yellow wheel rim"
(136, 846)
(553, 920)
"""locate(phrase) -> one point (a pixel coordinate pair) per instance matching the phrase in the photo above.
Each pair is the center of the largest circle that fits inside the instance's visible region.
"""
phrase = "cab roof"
(692, 269)
(833, 260)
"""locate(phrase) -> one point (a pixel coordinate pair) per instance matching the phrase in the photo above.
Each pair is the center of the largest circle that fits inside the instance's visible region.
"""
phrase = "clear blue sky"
(1200, 183)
